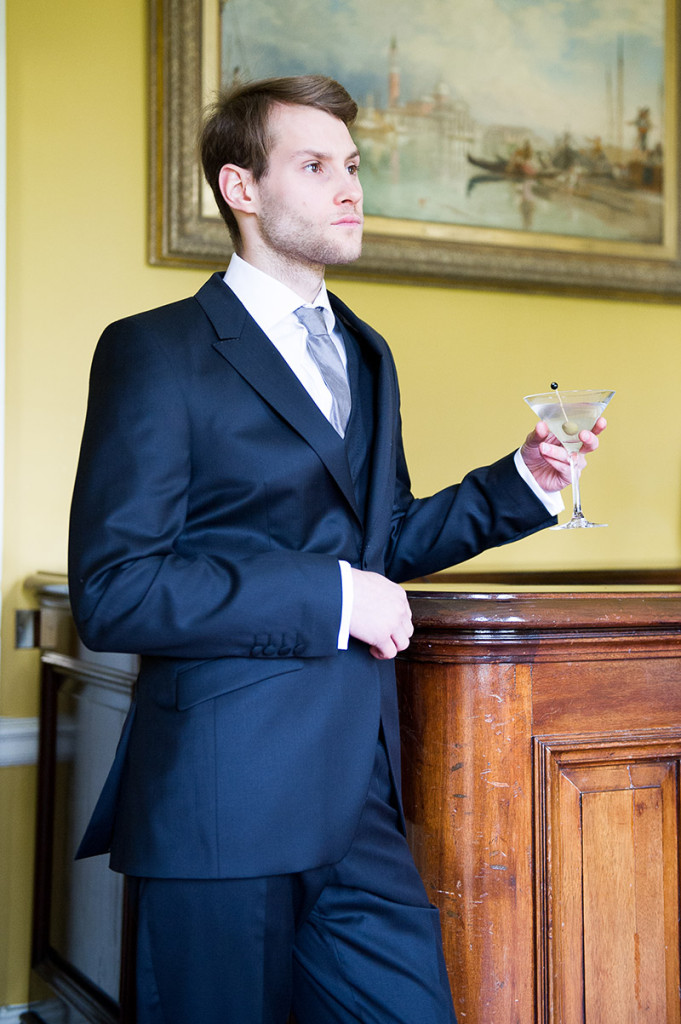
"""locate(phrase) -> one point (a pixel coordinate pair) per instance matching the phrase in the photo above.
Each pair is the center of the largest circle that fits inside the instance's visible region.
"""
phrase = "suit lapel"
(241, 342)
(376, 356)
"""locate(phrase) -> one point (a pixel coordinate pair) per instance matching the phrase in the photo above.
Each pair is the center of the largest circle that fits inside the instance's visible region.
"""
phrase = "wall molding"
(12, 1014)
(18, 746)
(51, 1012)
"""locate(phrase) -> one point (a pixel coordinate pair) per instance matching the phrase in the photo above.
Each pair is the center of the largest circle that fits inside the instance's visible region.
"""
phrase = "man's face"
(309, 201)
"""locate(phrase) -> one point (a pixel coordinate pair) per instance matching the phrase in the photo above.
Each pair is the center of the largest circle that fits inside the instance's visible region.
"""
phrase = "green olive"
(571, 428)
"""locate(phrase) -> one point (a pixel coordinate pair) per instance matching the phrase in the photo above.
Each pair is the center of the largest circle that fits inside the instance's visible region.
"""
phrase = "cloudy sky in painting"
(543, 64)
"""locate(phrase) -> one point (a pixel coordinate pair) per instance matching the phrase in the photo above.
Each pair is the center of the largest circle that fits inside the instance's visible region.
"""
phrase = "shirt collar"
(268, 300)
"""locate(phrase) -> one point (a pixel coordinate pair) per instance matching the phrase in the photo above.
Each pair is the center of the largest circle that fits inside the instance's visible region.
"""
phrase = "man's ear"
(236, 186)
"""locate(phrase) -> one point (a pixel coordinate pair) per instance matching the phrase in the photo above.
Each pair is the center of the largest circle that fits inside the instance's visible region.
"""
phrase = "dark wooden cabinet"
(542, 745)
(82, 933)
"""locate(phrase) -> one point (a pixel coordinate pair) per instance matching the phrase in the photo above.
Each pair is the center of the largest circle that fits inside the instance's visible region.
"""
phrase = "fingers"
(589, 438)
(392, 645)
(554, 453)
(540, 433)
(549, 461)
(381, 616)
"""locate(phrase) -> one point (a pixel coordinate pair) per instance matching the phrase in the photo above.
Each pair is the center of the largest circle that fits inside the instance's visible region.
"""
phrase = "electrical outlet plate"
(25, 628)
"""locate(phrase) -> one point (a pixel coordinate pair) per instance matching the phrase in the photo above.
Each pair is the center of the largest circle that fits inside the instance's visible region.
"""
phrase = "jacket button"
(256, 651)
(299, 649)
(269, 651)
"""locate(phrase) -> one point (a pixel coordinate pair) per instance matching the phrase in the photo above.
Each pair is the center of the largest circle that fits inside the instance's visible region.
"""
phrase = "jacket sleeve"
(491, 506)
(133, 585)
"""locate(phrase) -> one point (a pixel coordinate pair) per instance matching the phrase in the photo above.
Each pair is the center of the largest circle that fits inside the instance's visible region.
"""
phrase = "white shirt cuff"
(347, 594)
(551, 500)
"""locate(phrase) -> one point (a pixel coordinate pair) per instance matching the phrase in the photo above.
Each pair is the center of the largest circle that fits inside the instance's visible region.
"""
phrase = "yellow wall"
(76, 259)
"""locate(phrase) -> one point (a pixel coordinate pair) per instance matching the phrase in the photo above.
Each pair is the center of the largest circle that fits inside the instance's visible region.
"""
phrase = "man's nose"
(349, 188)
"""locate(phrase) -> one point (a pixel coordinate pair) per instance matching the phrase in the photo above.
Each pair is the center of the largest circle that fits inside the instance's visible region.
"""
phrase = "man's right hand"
(381, 616)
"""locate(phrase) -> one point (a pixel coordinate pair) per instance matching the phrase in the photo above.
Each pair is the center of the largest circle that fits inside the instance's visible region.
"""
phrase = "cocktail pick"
(569, 426)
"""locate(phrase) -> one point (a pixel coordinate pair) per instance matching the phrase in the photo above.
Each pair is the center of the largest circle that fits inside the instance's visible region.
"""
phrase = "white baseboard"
(12, 1014)
(18, 745)
(51, 1012)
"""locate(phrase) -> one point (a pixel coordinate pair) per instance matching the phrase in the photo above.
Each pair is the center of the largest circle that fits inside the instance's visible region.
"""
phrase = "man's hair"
(236, 128)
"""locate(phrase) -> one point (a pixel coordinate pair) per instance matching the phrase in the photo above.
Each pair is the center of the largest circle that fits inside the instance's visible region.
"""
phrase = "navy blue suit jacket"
(212, 503)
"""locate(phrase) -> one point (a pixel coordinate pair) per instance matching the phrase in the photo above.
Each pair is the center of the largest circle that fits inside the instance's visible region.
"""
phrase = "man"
(242, 519)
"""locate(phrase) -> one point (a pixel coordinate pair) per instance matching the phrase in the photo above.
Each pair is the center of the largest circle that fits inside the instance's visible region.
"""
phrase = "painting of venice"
(540, 116)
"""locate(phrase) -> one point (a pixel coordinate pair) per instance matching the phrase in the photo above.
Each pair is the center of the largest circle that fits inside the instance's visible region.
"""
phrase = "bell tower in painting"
(393, 76)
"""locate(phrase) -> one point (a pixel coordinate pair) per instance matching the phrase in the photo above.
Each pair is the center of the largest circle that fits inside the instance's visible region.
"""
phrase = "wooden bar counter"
(541, 750)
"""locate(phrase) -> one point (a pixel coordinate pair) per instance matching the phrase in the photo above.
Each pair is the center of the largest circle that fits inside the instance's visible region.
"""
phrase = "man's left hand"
(549, 462)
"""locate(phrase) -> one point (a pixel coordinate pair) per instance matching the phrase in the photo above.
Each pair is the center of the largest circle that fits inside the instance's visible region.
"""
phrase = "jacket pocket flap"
(214, 678)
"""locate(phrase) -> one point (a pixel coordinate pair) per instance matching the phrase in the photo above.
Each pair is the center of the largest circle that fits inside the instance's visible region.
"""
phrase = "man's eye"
(314, 166)
(353, 169)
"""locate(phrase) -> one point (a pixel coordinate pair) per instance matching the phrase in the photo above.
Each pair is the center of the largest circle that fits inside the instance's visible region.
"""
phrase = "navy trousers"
(357, 941)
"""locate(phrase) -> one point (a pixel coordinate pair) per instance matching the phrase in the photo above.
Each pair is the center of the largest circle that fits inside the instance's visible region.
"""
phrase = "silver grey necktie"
(325, 354)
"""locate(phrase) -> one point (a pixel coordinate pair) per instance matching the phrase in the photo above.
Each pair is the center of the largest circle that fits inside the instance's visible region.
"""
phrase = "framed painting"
(504, 143)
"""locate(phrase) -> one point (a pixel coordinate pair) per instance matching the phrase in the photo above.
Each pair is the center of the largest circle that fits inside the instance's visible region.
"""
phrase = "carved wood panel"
(608, 874)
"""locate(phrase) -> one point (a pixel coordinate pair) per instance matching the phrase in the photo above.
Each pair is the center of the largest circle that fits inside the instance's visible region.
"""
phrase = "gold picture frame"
(185, 229)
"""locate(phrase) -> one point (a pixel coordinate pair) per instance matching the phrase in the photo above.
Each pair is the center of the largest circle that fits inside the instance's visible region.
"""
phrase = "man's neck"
(303, 279)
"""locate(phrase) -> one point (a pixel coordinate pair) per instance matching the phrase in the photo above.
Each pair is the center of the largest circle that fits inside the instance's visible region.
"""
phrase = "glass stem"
(576, 498)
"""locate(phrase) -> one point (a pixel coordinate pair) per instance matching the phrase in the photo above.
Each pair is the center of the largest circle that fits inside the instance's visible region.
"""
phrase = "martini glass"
(566, 413)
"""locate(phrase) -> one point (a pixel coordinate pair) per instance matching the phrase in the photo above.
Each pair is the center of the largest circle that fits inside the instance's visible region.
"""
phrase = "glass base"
(578, 523)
